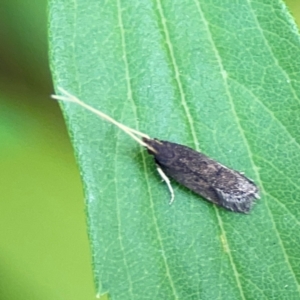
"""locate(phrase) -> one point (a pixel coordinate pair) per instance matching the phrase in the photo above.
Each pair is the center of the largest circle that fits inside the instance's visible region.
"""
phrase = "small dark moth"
(213, 181)
(204, 176)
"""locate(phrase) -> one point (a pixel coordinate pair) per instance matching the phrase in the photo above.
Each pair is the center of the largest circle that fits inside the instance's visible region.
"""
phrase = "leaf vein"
(220, 222)
(177, 73)
(268, 111)
(130, 97)
(261, 30)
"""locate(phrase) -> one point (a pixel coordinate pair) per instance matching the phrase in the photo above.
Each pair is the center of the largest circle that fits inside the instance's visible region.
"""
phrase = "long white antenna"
(67, 97)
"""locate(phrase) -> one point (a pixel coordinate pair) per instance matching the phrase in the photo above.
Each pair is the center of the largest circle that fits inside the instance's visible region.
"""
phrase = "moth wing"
(241, 203)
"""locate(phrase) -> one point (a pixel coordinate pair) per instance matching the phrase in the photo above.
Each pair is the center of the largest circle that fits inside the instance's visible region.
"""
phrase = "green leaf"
(221, 77)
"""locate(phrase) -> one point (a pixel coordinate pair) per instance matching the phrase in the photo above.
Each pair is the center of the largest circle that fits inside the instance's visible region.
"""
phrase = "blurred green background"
(44, 250)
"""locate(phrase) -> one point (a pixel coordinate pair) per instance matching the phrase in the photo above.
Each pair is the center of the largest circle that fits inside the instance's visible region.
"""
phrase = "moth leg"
(167, 181)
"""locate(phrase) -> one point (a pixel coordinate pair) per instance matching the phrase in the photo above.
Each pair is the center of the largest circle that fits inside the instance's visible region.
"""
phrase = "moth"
(205, 176)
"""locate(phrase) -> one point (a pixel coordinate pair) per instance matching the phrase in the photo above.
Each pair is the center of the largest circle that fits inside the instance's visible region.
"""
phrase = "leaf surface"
(221, 77)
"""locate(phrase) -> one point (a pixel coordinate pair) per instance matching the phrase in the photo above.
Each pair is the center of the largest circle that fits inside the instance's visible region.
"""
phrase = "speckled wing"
(204, 176)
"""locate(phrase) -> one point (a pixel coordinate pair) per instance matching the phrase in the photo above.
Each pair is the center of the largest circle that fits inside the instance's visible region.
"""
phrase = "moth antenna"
(67, 97)
(72, 98)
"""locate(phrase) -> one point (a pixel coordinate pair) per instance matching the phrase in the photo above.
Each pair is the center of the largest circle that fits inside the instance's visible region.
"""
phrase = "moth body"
(204, 176)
